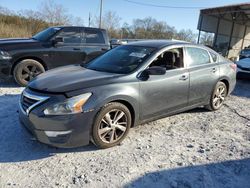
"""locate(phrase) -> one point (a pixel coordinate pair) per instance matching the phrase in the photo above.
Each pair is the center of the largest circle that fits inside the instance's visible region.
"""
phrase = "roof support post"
(216, 33)
(199, 35)
(230, 39)
(243, 39)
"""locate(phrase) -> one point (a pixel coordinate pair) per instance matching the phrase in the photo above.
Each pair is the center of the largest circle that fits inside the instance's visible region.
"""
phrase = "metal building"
(230, 25)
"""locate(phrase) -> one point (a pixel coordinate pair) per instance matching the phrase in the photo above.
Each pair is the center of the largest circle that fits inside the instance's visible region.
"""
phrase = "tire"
(104, 133)
(26, 70)
(218, 97)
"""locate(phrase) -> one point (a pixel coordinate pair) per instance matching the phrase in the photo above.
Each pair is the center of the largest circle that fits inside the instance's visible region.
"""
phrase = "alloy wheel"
(219, 96)
(113, 126)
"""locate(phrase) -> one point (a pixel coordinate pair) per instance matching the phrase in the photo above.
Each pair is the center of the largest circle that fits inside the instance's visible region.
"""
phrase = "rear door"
(204, 74)
(94, 42)
(70, 51)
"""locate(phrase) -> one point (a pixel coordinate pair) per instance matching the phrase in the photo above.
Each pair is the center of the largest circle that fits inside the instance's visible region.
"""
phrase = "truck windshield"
(121, 60)
(46, 34)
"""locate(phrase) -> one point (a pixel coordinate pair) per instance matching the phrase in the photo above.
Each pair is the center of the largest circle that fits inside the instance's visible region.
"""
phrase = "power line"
(162, 6)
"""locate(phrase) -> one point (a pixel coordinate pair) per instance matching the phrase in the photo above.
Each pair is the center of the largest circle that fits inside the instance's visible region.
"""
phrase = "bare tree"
(150, 28)
(186, 35)
(54, 13)
(110, 22)
(5, 11)
(34, 20)
(77, 21)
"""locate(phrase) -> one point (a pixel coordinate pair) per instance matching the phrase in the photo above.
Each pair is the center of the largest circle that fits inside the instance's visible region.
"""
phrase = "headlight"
(70, 106)
(4, 55)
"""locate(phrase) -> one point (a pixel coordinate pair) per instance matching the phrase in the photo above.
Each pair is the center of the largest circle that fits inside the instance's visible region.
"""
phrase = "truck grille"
(29, 101)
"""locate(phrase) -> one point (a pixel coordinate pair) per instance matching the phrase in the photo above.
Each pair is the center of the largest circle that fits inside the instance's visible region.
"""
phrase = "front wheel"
(111, 125)
(26, 70)
(218, 97)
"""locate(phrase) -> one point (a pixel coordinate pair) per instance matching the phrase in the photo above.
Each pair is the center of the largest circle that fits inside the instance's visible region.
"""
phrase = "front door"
(162, 94)
(70, 51)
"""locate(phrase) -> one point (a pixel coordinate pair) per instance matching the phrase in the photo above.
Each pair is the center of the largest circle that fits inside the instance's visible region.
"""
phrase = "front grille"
(29, 101)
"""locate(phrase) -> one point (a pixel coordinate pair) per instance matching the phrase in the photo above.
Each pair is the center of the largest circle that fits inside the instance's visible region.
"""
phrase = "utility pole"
(89, 19)
(100, 21)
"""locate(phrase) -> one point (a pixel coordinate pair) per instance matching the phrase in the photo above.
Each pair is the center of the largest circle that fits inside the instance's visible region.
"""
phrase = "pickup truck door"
(70, 51)
(94, 43)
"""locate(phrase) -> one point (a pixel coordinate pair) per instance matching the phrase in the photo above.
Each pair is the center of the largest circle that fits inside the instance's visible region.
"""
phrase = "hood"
(245, 51)
(245, 63)
(69, 78)
(15, 43)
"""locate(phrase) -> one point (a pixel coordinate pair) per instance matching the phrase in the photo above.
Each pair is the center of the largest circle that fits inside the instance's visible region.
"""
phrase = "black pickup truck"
(50, 48)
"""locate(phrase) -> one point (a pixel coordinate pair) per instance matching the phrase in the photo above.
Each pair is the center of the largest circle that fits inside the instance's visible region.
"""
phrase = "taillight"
(233, 66)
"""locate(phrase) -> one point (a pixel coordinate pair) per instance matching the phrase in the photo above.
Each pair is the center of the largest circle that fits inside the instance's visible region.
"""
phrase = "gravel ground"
(192, 149)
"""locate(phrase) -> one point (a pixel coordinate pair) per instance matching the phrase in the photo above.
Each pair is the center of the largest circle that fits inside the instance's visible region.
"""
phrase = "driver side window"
(170, 59)
(70, 36)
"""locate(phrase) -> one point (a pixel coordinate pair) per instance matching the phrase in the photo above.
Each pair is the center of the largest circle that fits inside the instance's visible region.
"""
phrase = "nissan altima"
(101, 100)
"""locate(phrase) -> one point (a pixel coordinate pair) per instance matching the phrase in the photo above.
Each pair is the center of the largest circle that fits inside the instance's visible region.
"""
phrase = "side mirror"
(155, 70)
(58, 40)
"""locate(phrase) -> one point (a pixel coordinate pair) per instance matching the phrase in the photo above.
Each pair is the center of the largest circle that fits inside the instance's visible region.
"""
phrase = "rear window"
(70, 35)
(94, 37)
(197, 56)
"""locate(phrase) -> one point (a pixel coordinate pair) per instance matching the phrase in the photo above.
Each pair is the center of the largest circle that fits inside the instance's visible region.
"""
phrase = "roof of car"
(61, 26)
(156, 43)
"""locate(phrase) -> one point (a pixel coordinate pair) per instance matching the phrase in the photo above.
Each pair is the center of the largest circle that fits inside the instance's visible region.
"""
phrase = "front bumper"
(244, 74)
(5, 68)
(64, 131)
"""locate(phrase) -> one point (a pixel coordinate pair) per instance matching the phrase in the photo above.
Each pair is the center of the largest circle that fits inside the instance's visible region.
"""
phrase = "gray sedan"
(128, 85)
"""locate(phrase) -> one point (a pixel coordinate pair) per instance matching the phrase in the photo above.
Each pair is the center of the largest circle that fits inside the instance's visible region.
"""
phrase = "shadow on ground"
(228, 174)
(8, 83)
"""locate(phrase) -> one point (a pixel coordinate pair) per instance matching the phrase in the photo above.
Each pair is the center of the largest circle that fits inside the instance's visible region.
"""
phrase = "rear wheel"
(111, 125)
(218, 97)
(26, 70)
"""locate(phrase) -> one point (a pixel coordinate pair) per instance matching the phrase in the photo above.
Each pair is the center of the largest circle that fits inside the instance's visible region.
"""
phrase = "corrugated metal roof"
(239, 13)
(229, 7)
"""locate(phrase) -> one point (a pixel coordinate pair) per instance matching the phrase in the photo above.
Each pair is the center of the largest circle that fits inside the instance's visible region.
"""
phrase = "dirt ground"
(197, 148)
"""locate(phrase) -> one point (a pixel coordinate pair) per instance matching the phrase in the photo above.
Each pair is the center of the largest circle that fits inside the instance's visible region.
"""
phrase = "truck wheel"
(26, 70)
(111, 125)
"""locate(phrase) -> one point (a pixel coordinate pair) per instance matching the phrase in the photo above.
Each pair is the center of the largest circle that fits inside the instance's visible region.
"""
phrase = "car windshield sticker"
(136, 54)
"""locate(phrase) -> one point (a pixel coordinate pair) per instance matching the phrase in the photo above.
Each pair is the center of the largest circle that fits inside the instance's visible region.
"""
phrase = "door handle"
(214, 70)
(184, 77)
(104, 49)
(76, 48)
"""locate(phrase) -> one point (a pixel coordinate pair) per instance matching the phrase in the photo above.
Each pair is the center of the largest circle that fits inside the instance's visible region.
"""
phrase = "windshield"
(121, 60)
(46, 34)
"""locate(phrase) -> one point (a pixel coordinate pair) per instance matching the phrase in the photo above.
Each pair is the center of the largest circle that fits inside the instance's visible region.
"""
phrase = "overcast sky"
(184, 14)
